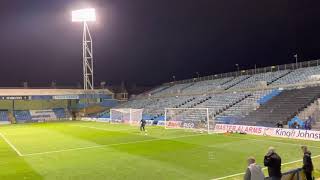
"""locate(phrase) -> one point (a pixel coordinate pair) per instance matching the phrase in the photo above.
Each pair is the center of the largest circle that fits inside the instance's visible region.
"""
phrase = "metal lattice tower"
(87, 53)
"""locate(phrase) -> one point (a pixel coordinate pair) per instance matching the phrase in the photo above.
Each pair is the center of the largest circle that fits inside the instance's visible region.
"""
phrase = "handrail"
(221, 91)
(274, 68)
(293, 171)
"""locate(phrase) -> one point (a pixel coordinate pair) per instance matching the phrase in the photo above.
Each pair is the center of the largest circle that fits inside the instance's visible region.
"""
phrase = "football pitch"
(93, 150)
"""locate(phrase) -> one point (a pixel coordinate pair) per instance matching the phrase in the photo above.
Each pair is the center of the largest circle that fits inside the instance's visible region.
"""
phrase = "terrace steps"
(233, 104)
(284, 106)
(238, 82)
(159, 90)
(274, 80)
(227, 81)
(191, 84)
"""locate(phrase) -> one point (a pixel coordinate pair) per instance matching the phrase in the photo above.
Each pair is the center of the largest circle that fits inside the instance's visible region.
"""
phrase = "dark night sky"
(148, 41)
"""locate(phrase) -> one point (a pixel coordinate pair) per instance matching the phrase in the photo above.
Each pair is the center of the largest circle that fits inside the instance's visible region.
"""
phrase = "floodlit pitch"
(92, 150)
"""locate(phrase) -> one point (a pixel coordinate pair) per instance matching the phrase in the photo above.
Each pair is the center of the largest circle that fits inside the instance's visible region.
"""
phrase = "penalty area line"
(283, 164)
(103, 129)
(10, 144)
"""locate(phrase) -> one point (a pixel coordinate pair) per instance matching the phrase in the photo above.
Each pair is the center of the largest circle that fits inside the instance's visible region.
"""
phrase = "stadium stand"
(104, 114)
(4, 116)
(220, 105)
(283, 107)
(269, 96)
(22, 116)
(298, 75)
(177, 88)
(242, 108)
(206, 86)
(40, 104)
(262, 96)
(253, 81)
(159, 89)
(109, 103)
(42, 115)
(60, 113)
(275, 75)
(235, 81)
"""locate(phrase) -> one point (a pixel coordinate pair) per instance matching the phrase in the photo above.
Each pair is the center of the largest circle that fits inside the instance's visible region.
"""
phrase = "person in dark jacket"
(280, 124)
(143, 125)
(273, 161)
(307, 162)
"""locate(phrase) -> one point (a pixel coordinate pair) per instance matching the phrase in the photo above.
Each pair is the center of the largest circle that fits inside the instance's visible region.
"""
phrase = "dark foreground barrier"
(296, 174)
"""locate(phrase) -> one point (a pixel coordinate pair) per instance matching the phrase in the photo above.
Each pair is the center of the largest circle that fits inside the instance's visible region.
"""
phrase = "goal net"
(189, 118)
(128, 116)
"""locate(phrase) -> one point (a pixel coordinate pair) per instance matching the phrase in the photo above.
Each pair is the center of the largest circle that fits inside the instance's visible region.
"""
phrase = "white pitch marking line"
(225, 177)
(238, 174)
(104, 129)
(108, 145)
(292, 144)
(10, 144)
(91, 127)
(64, 150)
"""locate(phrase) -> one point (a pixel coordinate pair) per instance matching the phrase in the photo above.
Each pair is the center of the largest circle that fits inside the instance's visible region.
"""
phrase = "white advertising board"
(266, 131)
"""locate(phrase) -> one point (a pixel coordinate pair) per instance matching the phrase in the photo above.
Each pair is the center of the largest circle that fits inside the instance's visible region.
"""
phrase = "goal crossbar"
(126, 115)
(188, 118)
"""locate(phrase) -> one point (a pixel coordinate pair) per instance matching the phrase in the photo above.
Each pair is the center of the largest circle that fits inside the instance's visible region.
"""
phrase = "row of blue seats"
(60, 113)
(104, 114)
(4, 116)
(107, 103)
(22, 116)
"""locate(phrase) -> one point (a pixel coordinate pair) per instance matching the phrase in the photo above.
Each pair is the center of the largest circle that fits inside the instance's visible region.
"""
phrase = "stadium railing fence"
(296, 174)
(291, 66)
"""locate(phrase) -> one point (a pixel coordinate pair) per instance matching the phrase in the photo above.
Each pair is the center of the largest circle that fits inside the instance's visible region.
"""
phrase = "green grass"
(91, 150)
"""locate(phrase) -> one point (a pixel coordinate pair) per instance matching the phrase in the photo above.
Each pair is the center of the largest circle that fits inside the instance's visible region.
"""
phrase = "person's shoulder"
(276, 155)
(268, 155)
(247, 174)
(307, 154)
(258, 166)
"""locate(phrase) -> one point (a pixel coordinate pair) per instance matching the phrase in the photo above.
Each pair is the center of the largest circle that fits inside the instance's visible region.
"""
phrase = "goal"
(128, 116)
(189, 118)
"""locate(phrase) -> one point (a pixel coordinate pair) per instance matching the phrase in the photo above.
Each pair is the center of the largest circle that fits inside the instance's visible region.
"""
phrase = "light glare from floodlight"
(84, 15)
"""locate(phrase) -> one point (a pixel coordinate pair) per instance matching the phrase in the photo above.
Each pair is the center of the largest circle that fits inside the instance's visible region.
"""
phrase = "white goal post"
(189, 118)
(126, 115)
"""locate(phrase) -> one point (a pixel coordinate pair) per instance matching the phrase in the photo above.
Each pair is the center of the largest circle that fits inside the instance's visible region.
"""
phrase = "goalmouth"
(126, 115)
(189, 118)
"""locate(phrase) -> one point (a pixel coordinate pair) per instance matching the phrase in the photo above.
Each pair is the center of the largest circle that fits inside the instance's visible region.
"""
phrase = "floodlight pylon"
(87, 55)
(84, 16)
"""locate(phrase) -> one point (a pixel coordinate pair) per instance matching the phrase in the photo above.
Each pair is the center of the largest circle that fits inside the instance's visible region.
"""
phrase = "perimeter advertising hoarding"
(15, 97)
(266, 131)
(66, 97)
